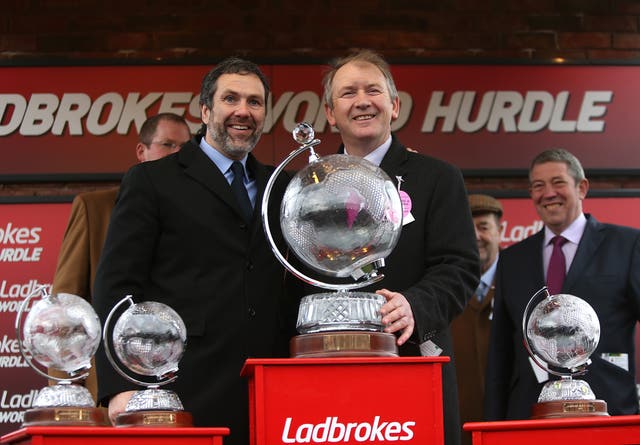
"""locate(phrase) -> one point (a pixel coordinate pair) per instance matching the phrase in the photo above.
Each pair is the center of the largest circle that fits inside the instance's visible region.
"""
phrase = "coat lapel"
(538, 263)
(261, 175)
(198, 166)
(395, 161)
(589, 243)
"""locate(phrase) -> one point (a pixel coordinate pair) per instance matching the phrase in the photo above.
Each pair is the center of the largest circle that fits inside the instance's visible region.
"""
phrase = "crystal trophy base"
(65, 416)
(342, 324)
(340, 311)
(154, 407)
(568, 397)
(344, 344)
(65, 404)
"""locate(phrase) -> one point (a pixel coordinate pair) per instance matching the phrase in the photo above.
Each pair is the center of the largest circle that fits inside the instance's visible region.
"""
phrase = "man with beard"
(160, 136)
(182, 236)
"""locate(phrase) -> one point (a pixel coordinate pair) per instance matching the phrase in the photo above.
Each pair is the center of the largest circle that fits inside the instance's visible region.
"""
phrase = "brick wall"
(316, 30)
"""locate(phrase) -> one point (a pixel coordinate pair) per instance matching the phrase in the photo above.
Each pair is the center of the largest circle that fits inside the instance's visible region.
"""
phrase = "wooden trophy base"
(65, 416)
(344, 344)
(569, 408)
(157, 419)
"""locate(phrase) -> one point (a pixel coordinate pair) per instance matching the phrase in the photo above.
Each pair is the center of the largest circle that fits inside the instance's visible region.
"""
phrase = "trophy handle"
(23, 352)
(267, 230)
(113, 361)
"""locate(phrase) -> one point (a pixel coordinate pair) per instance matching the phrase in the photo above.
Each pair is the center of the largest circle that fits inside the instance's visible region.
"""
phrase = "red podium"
(346, 400)
(614, 430)
(84, 435)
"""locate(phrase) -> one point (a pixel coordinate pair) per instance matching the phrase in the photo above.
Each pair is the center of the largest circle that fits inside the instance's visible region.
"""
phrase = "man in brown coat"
(160, 135)
(471, 329)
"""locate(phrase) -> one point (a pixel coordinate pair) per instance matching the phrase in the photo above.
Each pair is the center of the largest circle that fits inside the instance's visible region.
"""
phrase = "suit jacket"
(435, 263)
(177, 236)
(80, 252)
(471, 345)
(606, 274)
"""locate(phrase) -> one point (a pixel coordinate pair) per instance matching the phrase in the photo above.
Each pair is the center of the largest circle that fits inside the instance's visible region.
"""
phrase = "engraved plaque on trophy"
(149, 339)
(341, 216)
(60, 331)
(560, 334)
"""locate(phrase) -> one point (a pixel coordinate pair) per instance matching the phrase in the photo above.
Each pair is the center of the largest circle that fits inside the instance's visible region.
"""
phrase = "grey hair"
(560, 155)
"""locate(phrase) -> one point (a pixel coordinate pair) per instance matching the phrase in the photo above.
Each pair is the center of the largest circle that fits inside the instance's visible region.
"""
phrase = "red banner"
(30, 237)
(65, 120)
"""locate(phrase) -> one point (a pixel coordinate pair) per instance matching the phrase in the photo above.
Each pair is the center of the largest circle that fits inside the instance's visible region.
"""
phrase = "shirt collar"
(573, 233)
(376, 156)
(487, 277)
(221, 161)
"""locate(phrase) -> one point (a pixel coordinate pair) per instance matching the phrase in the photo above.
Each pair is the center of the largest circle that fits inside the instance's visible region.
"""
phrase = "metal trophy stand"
(560, 334)
(149, 339)
(343, 322)
(61, 331)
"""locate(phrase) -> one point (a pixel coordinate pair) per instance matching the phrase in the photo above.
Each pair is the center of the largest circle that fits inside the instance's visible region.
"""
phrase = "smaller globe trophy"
(560, 334)
(61, 331)
(149, 339)
(341, 216)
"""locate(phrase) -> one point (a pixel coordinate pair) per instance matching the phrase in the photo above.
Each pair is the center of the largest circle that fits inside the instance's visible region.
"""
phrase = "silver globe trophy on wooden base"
(560, 334)
(149, 339)
(61, 331)
(341, 216)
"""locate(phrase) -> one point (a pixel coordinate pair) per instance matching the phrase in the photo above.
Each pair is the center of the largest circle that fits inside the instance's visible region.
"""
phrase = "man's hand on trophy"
(117, 404)
(397, 315)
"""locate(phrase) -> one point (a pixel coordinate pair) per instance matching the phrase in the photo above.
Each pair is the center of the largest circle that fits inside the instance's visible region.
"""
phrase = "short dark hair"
(149, 127)
(574, 168)
(231, 65)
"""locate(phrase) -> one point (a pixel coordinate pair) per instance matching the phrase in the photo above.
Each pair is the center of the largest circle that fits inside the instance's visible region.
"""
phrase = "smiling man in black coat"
(602, 265)
(178, 235)
(434, 268)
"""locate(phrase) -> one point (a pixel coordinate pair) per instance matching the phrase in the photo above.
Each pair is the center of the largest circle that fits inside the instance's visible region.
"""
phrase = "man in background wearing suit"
(471, 329)
(434, 268)
(186, 232)
(602, 266)
(160, 135)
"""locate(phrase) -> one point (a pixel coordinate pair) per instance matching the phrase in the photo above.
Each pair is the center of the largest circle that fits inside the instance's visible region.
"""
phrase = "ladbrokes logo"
(334, 431)
(19, 236)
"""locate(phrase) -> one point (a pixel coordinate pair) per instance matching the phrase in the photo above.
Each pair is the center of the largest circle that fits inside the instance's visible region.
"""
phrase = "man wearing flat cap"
(471, 329)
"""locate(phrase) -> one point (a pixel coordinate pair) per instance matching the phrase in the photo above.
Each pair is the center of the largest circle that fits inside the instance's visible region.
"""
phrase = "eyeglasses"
(166, 144)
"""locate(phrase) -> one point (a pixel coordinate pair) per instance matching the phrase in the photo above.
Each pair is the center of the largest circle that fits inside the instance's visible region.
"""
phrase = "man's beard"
(225, 143)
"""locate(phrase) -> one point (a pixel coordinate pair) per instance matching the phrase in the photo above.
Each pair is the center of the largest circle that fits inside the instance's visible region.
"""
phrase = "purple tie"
(557, 266)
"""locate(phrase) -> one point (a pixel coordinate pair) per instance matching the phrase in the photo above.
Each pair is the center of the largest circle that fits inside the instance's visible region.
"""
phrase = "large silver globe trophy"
(341, 216)
(61, 331)
(149, 339)
(560, 334)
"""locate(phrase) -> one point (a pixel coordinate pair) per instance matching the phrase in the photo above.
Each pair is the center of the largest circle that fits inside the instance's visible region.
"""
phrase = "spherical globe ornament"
(341, 213)
(303, 133)
(62, 331)
(149, 338)
(563, 330)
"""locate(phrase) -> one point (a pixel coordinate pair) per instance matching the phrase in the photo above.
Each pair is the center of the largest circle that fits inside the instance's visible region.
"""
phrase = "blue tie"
(240, 191)
(481, 290)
